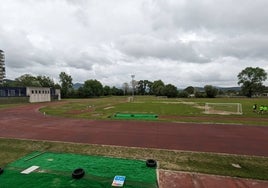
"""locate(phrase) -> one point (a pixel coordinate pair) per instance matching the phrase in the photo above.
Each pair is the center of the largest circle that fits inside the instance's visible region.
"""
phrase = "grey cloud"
(17, 52)
(240, 47)
(248, 47)
(89, 56)
(86, 61)
(21, 52)
(210, 40)
(228, 15)
(145, 46)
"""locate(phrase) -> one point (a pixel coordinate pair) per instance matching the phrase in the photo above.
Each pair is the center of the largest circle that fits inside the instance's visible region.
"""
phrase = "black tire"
(78, 173)
(151, 163)
(1, 170)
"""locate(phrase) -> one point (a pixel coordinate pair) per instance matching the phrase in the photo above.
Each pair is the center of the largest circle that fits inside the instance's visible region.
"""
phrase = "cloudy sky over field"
(182, 42)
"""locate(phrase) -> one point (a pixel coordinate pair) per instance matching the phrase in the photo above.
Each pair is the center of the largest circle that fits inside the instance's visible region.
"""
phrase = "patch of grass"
(9, 105)
(155, 108)
(220, 164)
(13, 100)
(181, 110)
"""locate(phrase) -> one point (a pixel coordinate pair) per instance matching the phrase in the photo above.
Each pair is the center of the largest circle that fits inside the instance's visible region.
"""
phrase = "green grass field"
(180, 110)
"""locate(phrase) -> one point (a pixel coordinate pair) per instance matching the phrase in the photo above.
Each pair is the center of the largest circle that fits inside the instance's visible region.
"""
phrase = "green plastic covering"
(55, 170)
(135, 116)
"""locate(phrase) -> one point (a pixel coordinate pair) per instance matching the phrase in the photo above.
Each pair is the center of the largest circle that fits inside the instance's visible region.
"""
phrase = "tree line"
(250, 80)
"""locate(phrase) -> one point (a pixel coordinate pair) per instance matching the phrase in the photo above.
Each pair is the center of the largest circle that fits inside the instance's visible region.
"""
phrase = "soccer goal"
(223, 108)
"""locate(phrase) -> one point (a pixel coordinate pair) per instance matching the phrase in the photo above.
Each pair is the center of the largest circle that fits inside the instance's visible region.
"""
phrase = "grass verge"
(219, 164)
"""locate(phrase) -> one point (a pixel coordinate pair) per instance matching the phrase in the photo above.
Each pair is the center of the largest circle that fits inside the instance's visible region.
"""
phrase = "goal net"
(223, 108)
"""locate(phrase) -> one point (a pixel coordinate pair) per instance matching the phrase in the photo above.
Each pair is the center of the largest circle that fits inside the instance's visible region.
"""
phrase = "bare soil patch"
(173, 179)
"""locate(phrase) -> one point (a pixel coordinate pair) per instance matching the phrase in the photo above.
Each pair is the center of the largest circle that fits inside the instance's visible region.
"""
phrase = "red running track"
(26, 122)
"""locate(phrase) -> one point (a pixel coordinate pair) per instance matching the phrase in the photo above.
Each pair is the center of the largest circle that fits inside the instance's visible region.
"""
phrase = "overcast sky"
(181, 42)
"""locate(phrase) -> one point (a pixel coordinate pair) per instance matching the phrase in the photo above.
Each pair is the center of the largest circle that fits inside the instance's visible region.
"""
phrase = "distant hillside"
(201, 89)
(77, 85)
(229, 88)
(8, 81)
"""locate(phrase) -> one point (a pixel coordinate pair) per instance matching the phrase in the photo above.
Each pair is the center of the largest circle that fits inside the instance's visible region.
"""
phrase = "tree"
(141, 87)
(45, 81)
(10, 83)
(149, 88)
(116, 91)
(251, 80)
(66, 84)
(92, 88)
(158, 87)
(170, 90)
(211, 91)
(199, 94)
(27, 80)
(80, 92)
(183, 94)
(144, 87)
(57, 86)
(190, 90)
(106, 90)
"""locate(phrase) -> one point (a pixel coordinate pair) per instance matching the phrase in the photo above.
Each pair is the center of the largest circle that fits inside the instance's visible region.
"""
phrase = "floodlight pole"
(132, 76)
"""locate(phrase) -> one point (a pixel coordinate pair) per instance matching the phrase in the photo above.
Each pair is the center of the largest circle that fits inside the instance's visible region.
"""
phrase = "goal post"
(223, 108)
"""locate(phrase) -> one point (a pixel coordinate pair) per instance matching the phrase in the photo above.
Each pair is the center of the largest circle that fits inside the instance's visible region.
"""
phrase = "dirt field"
(170, 179)
(26, 122)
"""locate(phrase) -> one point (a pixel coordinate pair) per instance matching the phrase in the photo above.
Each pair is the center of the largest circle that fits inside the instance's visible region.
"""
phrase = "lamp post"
(132, 76)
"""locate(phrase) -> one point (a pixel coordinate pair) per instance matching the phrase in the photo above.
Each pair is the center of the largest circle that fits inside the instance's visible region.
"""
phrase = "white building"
(38, 94)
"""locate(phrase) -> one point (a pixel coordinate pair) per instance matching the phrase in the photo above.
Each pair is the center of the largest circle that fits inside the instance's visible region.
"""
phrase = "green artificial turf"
(135, 116)
(55, 170)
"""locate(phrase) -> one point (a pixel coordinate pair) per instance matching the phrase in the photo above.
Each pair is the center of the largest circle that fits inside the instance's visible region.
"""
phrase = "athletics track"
(26, 122)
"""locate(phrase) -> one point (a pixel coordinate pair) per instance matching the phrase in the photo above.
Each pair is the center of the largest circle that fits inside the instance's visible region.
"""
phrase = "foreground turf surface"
(56, 170)
(251, 166)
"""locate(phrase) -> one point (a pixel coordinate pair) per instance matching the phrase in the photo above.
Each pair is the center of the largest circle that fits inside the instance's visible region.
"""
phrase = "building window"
(12, 93)
(2, 93)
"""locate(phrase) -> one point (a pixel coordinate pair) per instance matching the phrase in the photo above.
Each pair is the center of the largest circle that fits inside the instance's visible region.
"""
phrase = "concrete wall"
(57, 92)
(38, 94)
